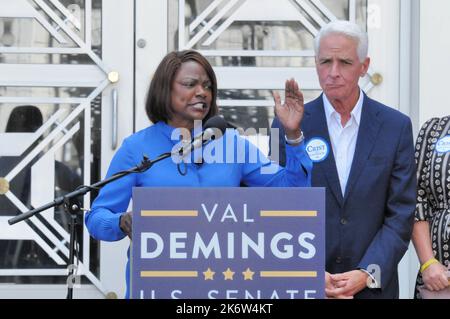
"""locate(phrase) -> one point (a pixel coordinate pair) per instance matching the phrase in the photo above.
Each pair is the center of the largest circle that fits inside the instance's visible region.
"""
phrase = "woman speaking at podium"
(183, 91)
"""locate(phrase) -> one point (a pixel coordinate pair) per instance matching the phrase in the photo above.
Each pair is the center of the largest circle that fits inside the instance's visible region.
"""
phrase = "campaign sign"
(228, 243)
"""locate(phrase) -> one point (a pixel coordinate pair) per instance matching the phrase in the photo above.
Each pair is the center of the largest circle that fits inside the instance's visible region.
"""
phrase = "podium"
(228, 243)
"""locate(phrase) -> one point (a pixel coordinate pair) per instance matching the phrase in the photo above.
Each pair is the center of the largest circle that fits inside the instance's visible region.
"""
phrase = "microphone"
(220, 123)
(213, 128)
(216, 122)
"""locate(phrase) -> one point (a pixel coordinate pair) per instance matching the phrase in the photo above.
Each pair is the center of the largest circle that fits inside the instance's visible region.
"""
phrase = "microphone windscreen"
(217, 122)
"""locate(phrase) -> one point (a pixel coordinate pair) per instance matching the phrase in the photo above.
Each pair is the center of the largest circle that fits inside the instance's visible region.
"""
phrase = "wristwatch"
(371, 281)
(296, 141)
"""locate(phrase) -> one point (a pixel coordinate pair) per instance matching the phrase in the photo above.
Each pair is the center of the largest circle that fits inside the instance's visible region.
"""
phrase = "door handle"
(115, 118)
(376, 79)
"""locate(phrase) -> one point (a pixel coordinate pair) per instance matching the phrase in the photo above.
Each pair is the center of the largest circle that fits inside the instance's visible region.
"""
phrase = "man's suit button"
(343, 221)
(338, 260)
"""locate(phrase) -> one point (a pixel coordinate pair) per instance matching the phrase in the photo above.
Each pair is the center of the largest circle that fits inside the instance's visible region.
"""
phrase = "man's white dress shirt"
(343, 139)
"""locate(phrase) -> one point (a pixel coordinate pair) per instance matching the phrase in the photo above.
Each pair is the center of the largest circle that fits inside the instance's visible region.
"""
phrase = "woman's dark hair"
(158, 104)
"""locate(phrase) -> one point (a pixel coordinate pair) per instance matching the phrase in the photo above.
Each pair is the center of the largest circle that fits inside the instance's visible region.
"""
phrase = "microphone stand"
(72, 206)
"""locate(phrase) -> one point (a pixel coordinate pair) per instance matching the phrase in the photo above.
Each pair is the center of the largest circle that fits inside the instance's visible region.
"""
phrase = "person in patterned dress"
(432, 227)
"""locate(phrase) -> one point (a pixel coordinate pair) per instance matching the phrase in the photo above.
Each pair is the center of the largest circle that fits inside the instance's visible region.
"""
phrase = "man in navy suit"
(363, 155)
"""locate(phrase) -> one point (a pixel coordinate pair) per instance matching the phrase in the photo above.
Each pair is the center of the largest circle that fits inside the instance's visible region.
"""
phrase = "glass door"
(65, 81)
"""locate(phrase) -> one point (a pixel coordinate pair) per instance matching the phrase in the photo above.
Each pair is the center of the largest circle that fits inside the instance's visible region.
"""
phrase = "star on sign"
(228, 274)
(209, 274)
(248, 274)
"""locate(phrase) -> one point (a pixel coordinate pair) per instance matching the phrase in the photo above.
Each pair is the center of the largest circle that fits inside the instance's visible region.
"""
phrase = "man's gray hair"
(348, 29)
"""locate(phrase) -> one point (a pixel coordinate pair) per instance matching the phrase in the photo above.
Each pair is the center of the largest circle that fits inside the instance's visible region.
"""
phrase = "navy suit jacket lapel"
(367, 135)
(316, 122)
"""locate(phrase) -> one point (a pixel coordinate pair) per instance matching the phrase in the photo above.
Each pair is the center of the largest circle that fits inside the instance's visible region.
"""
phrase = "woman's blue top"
(227, 162)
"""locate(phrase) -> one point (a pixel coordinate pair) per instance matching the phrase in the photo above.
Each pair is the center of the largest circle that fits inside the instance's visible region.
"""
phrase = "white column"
(434, 61)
